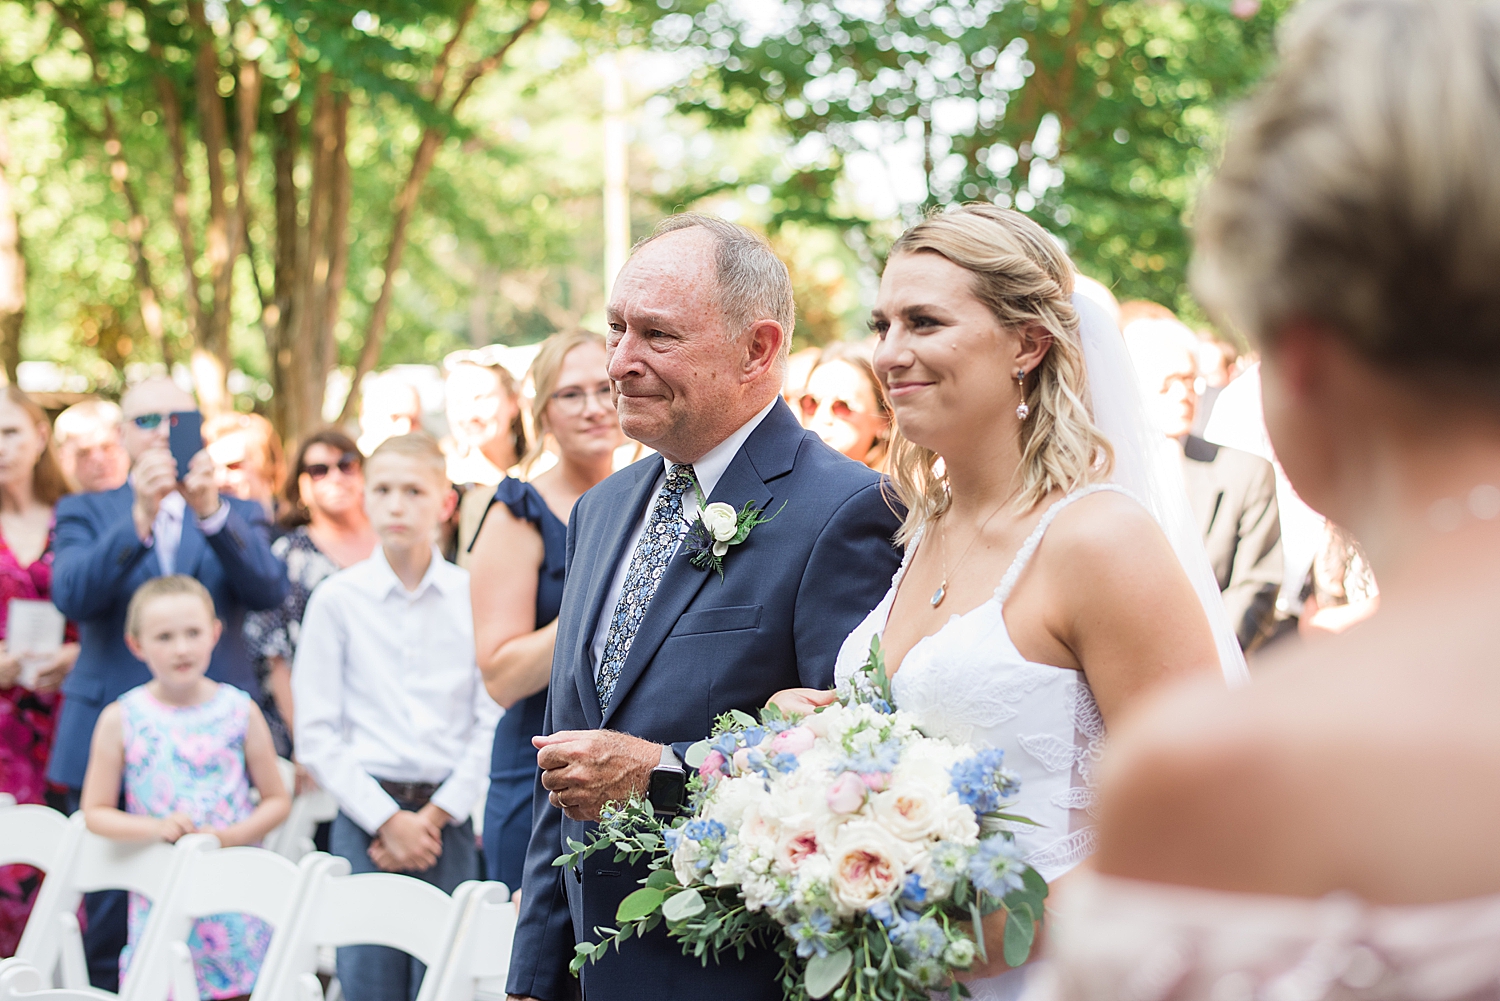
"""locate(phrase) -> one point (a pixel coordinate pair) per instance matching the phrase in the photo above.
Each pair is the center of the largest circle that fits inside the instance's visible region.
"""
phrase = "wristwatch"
(667, 787)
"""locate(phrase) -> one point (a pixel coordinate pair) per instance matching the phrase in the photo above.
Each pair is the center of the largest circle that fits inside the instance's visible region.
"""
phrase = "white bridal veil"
(1149, 465)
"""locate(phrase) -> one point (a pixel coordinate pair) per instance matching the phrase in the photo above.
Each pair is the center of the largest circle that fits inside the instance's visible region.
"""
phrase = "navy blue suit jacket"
(790, 594)
(99, 563)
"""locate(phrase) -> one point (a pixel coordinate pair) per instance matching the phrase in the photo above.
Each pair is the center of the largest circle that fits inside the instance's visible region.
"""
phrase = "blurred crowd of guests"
(520, 448)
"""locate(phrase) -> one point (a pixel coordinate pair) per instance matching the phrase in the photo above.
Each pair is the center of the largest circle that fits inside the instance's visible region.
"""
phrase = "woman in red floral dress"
(30, 484)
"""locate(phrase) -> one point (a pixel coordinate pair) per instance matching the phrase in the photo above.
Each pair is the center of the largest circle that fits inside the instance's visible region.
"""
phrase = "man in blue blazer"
(111, 542)
(650, 648)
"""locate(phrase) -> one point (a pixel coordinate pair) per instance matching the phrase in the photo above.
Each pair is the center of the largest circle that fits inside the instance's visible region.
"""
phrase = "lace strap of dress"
(1028, 548)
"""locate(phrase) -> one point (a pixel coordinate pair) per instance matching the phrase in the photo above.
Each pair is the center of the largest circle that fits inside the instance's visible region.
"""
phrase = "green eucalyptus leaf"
(824, 973)
(742, 718)
(1034, 882)
(661, 879)
(639, 904)
(681, 906)
(696, 754)
(1019, 933)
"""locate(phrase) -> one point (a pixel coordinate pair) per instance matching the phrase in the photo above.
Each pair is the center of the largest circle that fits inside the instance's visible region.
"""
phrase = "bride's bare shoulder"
(1104, 525)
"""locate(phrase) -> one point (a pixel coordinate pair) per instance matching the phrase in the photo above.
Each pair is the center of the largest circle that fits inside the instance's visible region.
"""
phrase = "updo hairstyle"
(1361, 190)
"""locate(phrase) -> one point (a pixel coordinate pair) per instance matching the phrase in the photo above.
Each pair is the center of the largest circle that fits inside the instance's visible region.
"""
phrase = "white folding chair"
(20, 981)
(6, 799)
(294, 838)
(39, 836)
(52, 935)
(479, 959)
(229, 881)
(376, 908)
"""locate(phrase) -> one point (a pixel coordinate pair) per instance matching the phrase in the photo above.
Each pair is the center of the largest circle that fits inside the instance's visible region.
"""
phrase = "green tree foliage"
(1098, 117)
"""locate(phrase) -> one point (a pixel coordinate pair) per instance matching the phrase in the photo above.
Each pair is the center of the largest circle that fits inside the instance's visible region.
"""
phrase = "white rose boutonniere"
(717, 527)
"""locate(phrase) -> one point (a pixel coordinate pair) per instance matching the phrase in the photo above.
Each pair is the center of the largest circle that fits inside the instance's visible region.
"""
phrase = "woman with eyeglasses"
(516, 572)
(327, 531)
(844, 405)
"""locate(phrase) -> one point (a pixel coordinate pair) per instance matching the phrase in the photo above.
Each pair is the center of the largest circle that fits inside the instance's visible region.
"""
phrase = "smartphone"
(185, 438)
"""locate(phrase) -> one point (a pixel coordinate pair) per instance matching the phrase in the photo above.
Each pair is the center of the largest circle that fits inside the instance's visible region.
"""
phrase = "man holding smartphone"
(169, 517)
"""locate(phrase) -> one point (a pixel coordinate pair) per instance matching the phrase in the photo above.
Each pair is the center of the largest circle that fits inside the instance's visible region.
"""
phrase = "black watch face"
(667, 790)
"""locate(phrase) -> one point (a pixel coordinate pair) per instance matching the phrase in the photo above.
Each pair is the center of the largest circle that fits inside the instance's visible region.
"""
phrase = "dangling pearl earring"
(1022, 411)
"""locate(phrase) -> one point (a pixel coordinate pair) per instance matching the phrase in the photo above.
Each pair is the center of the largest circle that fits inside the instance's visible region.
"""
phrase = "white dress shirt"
(386, 687)
(708, 470)
(166, 530)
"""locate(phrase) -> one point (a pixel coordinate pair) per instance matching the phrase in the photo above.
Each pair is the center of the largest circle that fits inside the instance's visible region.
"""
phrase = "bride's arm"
(1116, 596)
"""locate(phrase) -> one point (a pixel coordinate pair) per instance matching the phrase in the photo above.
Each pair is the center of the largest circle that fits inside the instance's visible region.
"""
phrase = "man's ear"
(762, 344)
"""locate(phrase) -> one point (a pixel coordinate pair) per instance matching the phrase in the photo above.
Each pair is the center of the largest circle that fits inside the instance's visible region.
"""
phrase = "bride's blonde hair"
(1026, 280)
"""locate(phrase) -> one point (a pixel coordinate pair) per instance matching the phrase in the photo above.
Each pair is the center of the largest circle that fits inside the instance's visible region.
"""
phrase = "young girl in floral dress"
(187, 750)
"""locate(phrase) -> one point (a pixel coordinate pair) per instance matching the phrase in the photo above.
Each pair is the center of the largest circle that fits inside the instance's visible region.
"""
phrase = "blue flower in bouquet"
(913, 890)
(873, 759)
(882, 911)
(996, 866)
(813, 934)
(982, 781)
(752, 736)
(726, 744)
(922, 939)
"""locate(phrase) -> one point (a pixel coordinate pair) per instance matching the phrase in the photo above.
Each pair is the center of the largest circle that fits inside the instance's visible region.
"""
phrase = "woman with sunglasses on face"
(845, 406)
(516, 581)
(328, 530)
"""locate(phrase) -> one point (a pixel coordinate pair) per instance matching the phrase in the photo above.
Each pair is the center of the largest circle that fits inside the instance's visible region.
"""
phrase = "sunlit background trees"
(283, 195)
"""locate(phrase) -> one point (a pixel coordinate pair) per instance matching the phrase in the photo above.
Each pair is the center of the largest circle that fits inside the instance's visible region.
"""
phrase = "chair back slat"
(240, 881)
(31, 835)
(381, 908)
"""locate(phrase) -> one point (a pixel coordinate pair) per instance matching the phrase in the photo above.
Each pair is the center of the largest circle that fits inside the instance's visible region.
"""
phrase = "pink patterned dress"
(191, 759)
(26, 722)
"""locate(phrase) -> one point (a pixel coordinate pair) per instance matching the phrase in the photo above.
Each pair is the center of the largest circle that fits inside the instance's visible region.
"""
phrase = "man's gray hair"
(753, 283)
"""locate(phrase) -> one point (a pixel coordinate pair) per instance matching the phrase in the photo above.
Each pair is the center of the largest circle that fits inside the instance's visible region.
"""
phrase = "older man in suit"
(108, 544)
(651, 648)
(1233, 493)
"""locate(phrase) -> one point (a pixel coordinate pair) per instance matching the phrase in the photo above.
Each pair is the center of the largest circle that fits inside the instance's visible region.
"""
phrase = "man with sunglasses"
(107, 545)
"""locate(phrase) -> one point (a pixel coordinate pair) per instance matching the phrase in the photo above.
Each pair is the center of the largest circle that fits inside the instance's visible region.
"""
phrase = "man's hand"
(200, 488)
(802, 701)
(52, 676)
(585, 769)
(408, 842)
(154, 476)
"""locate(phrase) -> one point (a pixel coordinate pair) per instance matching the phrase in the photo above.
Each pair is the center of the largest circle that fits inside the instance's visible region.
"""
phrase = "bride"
(1040, 596)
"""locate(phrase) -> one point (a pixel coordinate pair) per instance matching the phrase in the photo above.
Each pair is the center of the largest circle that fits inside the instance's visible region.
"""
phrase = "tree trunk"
(222, 237)
(286, 137)
(12, 271)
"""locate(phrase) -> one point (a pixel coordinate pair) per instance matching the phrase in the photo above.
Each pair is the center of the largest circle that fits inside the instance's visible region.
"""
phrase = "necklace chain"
(942, 591)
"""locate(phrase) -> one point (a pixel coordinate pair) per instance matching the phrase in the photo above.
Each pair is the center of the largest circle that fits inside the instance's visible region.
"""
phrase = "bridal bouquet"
(865, 852)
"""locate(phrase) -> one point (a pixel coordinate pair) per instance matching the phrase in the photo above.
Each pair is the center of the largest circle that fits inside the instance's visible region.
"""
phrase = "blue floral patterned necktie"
(649, 561)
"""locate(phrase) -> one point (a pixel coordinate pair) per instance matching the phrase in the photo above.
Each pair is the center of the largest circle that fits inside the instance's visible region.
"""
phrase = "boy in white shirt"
(392, 714)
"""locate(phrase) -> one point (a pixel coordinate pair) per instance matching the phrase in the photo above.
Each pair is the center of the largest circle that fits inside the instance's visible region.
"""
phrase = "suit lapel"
(771, 447)
(606, 548)
(191, 545)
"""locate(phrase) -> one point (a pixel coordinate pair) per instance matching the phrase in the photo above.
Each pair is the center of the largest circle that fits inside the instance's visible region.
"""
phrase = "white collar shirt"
(708, 470)
(166, 530)
(387, 687)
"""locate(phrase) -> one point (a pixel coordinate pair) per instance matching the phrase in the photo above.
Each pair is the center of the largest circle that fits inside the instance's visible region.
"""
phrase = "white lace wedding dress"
(968, 682)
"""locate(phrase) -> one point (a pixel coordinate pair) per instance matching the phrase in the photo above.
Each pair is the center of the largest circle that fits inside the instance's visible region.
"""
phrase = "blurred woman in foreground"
(1329, 832)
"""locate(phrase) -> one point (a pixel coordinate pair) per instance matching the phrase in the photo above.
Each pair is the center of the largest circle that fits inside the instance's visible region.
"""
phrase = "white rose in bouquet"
(913, 812)
(867, 865)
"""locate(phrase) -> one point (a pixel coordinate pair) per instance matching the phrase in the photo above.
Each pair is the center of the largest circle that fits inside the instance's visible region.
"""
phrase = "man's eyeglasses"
(839, 408)
(348, 465)
(574, 401)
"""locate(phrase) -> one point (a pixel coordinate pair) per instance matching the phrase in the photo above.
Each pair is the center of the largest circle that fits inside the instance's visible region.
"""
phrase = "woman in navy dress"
(516, 579)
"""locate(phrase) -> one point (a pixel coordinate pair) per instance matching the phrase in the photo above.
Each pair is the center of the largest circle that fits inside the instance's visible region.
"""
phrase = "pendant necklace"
(942, 591)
